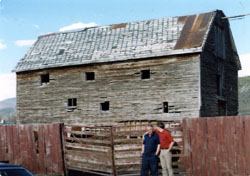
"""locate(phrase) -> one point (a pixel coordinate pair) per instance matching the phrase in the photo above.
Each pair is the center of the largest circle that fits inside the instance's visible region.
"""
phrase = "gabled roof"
(134, 40)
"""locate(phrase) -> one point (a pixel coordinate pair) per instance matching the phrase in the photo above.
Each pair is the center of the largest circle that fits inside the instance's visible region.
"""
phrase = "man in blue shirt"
(150, 151)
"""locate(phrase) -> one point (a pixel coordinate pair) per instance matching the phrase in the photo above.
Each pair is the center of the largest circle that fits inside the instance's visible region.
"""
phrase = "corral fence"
(204, 146)
(114, 150)
(36, 147)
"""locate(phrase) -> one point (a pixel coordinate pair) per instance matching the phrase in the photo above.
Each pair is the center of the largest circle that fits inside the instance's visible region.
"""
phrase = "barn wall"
(175, 80)
(212, 65)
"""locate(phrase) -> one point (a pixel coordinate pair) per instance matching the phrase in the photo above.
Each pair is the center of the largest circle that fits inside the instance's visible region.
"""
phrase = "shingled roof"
(134, 40)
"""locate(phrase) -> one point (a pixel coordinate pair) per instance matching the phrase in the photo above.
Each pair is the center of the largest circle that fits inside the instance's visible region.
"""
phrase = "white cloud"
(245, 64)
(24, 42)
(2, 45)
(8, 86)
(77, 26)
(36, 26)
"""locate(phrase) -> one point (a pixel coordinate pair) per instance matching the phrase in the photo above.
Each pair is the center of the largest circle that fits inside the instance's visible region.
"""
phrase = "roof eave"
(167, 54)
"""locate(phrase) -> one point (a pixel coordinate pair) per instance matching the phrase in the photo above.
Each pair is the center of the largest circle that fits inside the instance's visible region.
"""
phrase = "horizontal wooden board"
(84, 153)
(127, 147)
(88, 147)
(88, 167)
(87, 140)
(89, 160)
(87, 133)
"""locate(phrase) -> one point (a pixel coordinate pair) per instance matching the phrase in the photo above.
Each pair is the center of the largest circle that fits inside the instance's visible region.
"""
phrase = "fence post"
(63, 149)
(112, 150)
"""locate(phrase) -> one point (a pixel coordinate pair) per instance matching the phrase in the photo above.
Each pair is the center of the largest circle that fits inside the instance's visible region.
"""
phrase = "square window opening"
(44, 79)
(72, 102)
(165, 107)
(90, 76)
(145, 74)
(104, 106)
(61, 51)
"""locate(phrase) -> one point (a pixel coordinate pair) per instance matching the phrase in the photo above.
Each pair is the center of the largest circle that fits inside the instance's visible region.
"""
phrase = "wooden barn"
(160, 69)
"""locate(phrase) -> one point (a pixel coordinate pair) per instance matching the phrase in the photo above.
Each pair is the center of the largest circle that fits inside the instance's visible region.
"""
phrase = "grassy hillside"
(7, 108)
(244, 95)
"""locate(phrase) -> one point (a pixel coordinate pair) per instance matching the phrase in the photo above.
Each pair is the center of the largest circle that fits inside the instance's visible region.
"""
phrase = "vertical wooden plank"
(194, 132)
(3, 143)
(16, 146)
(64, 135)
(41, 149)
(240, 146)
(203, 149)
(219, 145)
(51, 138)
(54, 152)
(10, 142)
(222, 157)
(29, 157)
(32, 148)
(212, 149)
(247, 144)
(24, 159)
(112, 150)
(58, 161)
(229, 129)
(200, 147)
(48, 149)
(187, 146)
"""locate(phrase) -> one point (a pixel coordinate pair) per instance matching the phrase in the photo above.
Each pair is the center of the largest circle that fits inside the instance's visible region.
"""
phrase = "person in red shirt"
(166, 144)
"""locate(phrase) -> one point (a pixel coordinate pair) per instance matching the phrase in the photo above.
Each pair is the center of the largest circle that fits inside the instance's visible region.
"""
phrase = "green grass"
(244, 95)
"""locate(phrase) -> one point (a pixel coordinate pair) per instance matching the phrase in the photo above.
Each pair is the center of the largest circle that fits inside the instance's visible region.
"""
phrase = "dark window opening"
(90, 76)
(222, 111)
(44, 79)
(145, 74)
(165, 107)
(72, 102)
(61, 51)
(105, 106)
(219, 42)
(218, 84)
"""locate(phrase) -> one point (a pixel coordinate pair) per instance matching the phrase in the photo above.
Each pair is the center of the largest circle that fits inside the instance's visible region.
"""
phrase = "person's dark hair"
(161, 125)
(150, 125)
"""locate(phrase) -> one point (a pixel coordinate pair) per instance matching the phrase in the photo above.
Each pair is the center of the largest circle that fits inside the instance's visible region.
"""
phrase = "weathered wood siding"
(211, 65)
(174, 80)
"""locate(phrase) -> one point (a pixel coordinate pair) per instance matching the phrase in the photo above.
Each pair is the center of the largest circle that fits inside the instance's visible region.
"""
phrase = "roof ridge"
(109, 25)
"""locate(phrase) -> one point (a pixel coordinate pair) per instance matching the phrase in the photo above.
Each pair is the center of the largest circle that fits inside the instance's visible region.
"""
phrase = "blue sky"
(22, 21)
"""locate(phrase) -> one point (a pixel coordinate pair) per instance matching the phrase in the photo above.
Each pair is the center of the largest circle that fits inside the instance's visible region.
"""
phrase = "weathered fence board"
(217, 146)
(36, 147)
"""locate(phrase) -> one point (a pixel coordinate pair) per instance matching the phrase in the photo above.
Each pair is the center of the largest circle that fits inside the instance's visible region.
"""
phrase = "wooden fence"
(114, 150)
(217, 146)
(36, 147)
(212, 146)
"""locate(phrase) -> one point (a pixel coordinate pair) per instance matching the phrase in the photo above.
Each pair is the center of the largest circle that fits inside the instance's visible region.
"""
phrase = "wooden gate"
(114, 150)
(89, 149)
(36, 147)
